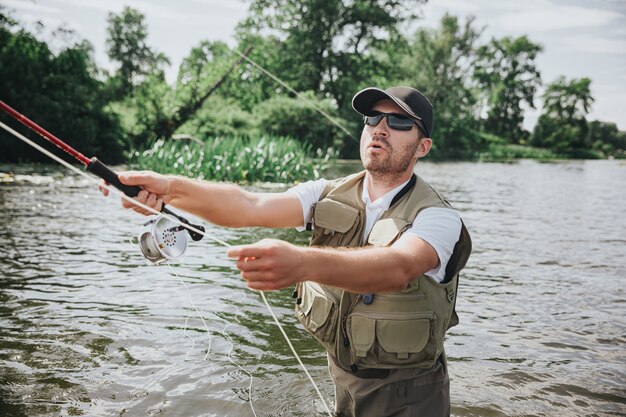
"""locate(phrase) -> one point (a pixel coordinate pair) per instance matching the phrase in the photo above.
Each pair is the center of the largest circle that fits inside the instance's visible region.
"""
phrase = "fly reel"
(161, 240)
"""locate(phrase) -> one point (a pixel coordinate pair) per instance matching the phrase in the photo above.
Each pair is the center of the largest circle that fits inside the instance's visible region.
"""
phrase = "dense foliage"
(326, 50)
(60, 91)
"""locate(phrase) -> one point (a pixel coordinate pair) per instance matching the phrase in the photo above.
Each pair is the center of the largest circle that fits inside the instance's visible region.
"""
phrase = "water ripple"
(87, 327)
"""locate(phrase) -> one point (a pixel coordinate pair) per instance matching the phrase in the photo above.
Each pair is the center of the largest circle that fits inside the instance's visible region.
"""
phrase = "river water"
(87, 327)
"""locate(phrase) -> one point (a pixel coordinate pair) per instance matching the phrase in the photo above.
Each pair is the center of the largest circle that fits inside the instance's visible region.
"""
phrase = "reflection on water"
(88, 328)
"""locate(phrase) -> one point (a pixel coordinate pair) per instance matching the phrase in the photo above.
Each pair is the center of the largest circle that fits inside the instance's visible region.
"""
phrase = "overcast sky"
(580, 38)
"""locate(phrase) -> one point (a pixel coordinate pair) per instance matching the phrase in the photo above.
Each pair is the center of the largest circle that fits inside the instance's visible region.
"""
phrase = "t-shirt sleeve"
(308, 193)
(440, 228)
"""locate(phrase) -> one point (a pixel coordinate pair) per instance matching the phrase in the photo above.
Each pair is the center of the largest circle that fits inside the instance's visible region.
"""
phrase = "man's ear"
(424, 147)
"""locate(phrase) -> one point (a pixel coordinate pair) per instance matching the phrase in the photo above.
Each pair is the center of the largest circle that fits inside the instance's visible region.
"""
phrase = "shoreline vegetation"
(273, 167)
(243, 126)
(236, 159)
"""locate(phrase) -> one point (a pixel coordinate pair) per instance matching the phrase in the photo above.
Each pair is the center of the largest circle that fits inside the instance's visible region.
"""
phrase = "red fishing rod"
(92, 165)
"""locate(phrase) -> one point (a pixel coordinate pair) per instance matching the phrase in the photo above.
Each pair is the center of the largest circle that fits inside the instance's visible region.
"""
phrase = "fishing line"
(197, 312)
(187, 226)
(299, 95)
(193, 342)
(223, 333)
(232, 348)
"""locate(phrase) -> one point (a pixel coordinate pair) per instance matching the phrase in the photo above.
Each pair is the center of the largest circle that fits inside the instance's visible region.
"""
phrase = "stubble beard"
(393, 165)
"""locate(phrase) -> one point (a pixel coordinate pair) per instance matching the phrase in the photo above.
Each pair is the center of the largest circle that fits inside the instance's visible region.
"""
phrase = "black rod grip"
(98, 168)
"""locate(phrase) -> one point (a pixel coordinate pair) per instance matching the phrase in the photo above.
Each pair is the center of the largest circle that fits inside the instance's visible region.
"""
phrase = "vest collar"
(383, 202)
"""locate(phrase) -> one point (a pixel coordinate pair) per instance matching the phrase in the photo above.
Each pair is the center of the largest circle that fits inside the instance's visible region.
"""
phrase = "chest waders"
(387, 330)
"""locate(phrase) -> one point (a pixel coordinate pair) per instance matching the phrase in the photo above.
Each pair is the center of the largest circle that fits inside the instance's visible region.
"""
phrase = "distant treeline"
(326, 49)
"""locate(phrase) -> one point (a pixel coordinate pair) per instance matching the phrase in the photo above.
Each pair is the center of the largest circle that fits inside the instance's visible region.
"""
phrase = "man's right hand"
(156, 190)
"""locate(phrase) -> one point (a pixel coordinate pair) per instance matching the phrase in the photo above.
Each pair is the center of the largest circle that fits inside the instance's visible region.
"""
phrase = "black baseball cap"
(409, 99)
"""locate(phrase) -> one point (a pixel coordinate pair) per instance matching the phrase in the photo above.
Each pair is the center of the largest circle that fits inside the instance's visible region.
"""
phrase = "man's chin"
(376, 166)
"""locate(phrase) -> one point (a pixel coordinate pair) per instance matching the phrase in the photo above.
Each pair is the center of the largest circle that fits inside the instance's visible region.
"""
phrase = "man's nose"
(381, 129)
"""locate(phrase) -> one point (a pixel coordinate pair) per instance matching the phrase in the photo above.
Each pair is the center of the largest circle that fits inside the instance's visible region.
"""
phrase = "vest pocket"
(384, 340)
(318, 312)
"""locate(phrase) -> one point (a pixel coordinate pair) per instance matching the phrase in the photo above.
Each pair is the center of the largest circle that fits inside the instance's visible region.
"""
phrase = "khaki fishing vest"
(399, 329)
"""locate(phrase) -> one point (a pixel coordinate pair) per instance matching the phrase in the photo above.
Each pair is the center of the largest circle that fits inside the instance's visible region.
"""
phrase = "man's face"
(389, 153)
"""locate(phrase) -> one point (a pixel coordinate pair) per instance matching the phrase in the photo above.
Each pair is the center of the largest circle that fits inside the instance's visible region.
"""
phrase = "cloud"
(533, 15)
(231, 4)
(146, 7)
(27, 6)
(610, 107)
(555, 17)
(595, 44)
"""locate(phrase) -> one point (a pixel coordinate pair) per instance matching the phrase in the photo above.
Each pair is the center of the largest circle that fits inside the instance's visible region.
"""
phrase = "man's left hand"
(270, 264)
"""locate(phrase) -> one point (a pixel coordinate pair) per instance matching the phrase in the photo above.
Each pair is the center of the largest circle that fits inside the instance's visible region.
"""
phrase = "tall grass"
(267, 159)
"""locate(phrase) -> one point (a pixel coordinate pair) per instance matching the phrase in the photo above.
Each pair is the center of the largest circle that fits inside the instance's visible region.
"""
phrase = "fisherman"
(381, 308)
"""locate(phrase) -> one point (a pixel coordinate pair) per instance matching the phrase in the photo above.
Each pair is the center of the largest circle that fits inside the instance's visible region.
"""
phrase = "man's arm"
(231, 206)
(273, 264)
(222, 204)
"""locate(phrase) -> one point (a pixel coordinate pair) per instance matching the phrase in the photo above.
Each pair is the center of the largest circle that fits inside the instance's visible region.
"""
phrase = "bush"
(220, 117)
(507, 152)
(293, 117)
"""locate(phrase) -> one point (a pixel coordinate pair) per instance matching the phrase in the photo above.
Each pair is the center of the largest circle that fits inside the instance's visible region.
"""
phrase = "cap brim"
(365, 99)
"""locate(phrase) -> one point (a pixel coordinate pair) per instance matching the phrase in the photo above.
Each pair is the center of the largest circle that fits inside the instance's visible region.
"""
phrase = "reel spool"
(161, 240)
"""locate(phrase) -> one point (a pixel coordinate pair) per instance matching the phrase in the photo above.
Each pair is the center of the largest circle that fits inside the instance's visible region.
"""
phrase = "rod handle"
(98, 168)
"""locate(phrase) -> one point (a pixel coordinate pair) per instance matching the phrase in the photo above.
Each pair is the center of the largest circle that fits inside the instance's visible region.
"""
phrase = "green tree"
(249, 85)
(126, 45)
(324, 44)
(151, 109)
(606, 137)
(60, 92)
(506, 71)
(438, 62)
(563, 124)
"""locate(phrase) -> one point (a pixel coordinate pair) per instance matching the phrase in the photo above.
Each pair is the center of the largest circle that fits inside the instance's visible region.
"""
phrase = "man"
(381, 308)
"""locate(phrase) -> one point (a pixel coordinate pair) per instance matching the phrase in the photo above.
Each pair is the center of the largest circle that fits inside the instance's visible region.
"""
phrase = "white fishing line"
(197, 312)
(193, 342)
(299, 95)
(151, 210)
(230, 358)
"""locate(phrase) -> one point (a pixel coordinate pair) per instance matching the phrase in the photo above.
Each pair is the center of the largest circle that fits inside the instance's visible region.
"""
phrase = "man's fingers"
(151, 200)
(263, 281)
(145, 198)
(254, 264)
(103, 190)
(245, 251)
(134, 178)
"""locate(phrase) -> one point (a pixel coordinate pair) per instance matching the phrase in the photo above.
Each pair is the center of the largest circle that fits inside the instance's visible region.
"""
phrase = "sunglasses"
(394, 121)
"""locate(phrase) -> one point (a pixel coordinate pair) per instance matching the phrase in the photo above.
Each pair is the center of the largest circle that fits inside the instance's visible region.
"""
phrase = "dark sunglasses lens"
(399, 122)
(373, 120)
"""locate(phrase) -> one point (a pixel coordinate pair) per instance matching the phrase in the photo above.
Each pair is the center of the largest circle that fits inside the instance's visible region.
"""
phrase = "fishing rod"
(162, 239)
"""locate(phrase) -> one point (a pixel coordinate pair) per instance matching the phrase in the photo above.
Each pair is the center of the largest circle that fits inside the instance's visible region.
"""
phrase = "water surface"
(87, 327)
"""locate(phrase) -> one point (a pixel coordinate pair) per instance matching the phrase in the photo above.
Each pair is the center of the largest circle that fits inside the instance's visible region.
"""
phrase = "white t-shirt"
(439, 227)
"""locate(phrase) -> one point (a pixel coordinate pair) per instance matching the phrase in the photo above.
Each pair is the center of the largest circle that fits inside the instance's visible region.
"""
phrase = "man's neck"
(378, 187)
